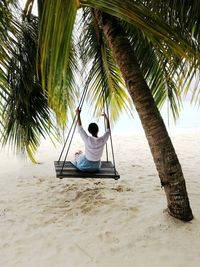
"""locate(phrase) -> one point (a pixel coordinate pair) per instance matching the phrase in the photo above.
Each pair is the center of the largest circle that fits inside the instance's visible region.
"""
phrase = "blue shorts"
(85, 165)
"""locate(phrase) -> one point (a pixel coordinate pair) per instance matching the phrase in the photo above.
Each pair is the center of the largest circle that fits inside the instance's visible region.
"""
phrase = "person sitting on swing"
(90, 161)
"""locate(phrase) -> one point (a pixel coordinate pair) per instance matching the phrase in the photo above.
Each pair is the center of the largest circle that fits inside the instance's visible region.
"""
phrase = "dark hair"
(93, 129)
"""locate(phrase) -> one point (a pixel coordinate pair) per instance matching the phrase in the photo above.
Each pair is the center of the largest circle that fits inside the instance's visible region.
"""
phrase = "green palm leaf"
(63, 98)
(104, 81)
(151, 23)
(56, 27)
(160, 72)
(25, 112)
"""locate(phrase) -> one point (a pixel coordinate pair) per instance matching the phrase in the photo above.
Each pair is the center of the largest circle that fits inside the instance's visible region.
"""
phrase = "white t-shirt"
(93, 145)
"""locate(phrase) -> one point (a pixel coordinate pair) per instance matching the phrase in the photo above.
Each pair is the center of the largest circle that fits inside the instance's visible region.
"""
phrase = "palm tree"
(162, 150)
(139, 40)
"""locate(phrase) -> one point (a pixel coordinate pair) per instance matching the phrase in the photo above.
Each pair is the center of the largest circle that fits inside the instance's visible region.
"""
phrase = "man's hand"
(104, 115)
(107, 120)
(78, 112)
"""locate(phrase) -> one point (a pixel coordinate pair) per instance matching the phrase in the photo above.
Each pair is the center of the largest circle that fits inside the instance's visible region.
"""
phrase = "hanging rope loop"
(74, 123)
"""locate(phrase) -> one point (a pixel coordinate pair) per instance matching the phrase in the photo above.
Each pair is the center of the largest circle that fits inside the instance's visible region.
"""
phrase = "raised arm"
(78, 112)
(107, 123)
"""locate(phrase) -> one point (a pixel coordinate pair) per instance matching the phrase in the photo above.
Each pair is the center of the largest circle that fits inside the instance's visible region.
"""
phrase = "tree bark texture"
(164, 155)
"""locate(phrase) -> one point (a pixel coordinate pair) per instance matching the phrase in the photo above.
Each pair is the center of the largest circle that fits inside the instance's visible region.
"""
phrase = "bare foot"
(78, 153)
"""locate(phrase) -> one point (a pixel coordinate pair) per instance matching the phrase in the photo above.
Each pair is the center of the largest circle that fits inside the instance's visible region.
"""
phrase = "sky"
(23, 2)
(189, 116)
(189, 119)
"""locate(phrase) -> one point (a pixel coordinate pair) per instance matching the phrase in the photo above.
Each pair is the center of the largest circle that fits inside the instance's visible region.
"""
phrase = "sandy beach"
(48, 222)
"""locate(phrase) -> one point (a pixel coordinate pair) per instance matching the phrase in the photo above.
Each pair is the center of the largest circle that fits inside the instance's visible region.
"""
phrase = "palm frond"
(182, 15)
(25, 112)
(9, 27)
(56, 26)
(104, 81)
(151, 23)
(159, 70)
(64, 96)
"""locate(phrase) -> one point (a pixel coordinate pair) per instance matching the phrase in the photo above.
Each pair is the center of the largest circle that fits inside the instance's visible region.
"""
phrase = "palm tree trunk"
(165, 158)
(40, 4)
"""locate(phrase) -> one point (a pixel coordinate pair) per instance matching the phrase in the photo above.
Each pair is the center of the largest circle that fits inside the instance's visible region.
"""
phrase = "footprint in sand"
(3, 212)
(108, 237)
(78, 195)
(134, 209)
(39, 179)
(121, 188)
(85, 209)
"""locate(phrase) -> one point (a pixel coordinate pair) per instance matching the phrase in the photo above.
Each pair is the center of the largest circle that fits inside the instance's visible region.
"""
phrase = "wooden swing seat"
(70, 171)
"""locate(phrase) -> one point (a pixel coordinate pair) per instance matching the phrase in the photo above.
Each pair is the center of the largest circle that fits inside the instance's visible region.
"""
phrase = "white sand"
(47, 222)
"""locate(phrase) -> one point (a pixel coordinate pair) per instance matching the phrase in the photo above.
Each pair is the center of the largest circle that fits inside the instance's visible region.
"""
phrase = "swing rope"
(105, 124)
(74, 122)
(111, 141)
